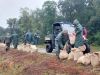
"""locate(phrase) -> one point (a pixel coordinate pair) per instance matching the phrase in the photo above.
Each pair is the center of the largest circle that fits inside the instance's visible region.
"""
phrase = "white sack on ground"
(2, 45)
(77, 53)
(63, 54)
(85, 59)
(71, 56)
(27, 47)
(95, 59)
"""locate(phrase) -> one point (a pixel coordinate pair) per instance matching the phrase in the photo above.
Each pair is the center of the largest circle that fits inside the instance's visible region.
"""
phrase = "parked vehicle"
(56, 29)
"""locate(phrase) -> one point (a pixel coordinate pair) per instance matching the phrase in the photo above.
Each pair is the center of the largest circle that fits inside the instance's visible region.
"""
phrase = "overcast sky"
(10, 8)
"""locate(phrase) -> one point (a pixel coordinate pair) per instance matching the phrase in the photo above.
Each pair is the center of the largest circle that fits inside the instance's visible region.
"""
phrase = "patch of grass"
(95, 48)
(41, 46)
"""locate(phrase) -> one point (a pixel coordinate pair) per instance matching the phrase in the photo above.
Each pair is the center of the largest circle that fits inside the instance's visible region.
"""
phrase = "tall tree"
(24, 20)
(72, 9)
(12, 24)
(49, 10)
(2, 31)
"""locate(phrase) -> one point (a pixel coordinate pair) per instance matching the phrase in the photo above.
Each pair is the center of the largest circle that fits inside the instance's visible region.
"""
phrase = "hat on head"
(65, 31)
(75, 22)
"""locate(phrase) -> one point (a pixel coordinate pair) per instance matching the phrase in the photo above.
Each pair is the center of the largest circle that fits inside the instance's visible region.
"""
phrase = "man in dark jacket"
(7, 41)
(79, 37)
(61, 40)
(79, 34)
(28, 37)
(15, 39)
(36, 38)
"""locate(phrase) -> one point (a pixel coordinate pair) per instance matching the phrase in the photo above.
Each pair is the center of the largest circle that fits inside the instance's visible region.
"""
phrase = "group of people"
(62, 38)
(14, 39)
(30, 38)
(11, 39)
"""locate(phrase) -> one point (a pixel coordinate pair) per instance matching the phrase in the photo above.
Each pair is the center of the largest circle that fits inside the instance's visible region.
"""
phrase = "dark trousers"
(7, 46)
(15, 46)
(87, 47)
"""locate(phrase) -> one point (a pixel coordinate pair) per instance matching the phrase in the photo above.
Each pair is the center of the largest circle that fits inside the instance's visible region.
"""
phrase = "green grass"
(95, 48)
(41, 46)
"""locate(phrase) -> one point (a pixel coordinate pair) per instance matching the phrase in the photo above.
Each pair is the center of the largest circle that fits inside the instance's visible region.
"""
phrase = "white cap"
(75, 22)
(65, 31)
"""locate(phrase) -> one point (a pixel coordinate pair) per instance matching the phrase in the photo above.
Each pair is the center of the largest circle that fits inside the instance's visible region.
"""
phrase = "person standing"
(36, 38)
(79, 34)
(61, 40)
(15, 40)
(28, 37)
(86, 43)
(7, 41)
(84, 33)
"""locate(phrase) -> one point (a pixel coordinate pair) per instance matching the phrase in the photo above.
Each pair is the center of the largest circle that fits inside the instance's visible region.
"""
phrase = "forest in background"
(41, 19)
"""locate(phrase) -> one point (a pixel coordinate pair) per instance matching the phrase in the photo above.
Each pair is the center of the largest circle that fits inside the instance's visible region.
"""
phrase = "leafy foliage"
(41, 20)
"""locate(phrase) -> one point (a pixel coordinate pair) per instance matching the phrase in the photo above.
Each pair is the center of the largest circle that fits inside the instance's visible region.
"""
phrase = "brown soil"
(16, 62)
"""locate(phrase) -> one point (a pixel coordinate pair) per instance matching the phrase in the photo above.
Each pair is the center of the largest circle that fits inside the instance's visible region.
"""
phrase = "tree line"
(41, 19)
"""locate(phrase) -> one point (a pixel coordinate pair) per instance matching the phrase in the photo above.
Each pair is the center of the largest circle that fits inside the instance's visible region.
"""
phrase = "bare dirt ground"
(16, 62)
